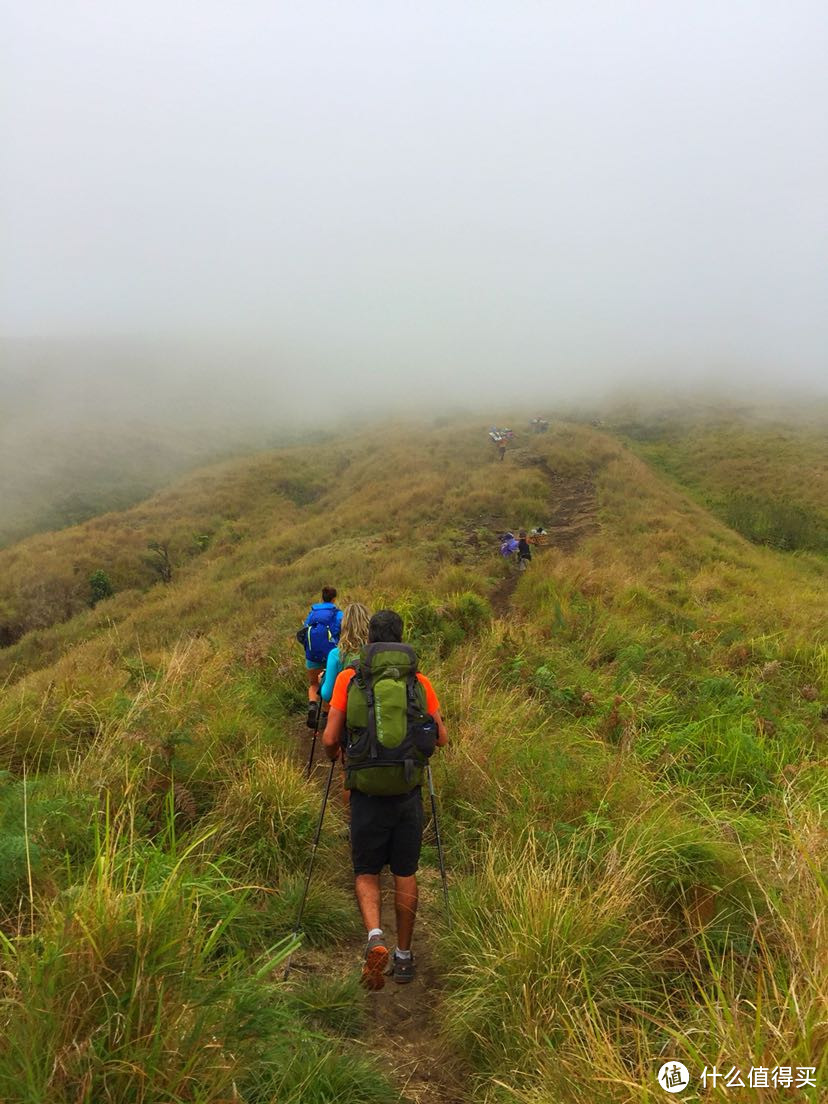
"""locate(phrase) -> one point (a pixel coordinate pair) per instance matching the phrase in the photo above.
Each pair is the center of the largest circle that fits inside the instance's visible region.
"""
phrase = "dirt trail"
(501, 596)
(571, 516)
(403, 1030)
(573, 506)
(403, 1026)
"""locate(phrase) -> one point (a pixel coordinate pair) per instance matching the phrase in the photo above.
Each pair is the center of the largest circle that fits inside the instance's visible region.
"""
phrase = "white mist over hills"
(352, 205)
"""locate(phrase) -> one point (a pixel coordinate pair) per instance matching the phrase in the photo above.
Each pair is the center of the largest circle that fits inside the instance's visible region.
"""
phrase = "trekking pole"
(439, 842)
(313, 741)
(298, 927)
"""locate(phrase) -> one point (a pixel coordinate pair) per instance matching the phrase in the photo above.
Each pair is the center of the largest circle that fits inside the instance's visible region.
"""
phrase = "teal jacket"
(333, 666)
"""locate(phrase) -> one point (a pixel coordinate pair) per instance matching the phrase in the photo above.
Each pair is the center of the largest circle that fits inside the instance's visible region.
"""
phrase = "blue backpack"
(320, 632)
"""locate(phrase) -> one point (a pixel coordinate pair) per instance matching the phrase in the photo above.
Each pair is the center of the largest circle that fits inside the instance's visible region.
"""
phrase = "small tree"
(160, 560)
(100, 587)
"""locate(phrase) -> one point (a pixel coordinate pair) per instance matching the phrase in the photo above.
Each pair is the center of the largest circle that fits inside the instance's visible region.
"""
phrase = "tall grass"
(631, 801)
(136, 988)
(572, 981)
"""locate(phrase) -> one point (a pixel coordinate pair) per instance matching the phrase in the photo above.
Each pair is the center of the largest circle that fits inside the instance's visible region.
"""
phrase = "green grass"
(764, 476)
(145, 990)
(632, 804)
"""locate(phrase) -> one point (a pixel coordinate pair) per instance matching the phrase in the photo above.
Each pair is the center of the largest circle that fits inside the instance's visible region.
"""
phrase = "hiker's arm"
(442, 735)
(332, 669)
(332, 735)
(433, 706)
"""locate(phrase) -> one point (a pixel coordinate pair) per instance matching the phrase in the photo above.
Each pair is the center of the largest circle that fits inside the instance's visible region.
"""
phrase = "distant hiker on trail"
(524, 551)
(318, 635)
(508, 544)
(499, 437)
(385, 720)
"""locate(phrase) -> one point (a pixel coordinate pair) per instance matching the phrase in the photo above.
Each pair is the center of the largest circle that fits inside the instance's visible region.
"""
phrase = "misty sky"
(532, 190)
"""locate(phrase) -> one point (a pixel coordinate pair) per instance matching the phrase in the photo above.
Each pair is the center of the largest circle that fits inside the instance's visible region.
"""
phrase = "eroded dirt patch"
(573, 505)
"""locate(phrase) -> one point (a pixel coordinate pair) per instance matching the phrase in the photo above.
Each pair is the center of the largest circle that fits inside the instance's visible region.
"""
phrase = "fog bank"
(446, 200)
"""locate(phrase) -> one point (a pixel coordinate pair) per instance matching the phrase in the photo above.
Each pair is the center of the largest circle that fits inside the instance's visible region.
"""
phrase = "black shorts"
(386, 830)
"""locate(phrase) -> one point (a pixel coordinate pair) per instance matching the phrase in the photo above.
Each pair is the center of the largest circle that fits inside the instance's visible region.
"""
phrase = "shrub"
(123, 978)
(437, 626)
(100, 587)
(531, 945)
(42, 825)
(336, 1004)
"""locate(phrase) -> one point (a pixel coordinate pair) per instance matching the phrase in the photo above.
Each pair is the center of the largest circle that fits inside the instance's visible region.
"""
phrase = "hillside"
(765, 474)
(632, 803)
(88, 427)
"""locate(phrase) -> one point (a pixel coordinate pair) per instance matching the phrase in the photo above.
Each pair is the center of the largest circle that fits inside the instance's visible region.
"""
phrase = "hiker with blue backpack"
(385, 722)
(319, 635)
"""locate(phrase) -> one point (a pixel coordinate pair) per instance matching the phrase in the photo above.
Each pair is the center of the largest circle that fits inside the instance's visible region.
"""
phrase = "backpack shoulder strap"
(363, 681)
(416, 697)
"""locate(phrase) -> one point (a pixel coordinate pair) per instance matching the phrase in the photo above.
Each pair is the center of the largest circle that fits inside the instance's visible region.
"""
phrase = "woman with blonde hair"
(352, 637)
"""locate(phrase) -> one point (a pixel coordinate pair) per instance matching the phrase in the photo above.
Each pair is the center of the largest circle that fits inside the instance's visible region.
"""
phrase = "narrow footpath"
(572, 516)
(403, 1029)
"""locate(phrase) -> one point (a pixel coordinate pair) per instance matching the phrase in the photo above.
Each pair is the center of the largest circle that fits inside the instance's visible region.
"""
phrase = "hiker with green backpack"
(385, 721)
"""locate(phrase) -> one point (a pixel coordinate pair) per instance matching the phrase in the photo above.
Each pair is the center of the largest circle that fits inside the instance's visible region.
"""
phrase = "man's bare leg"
(405, 904)
(369, 899)
(314, 704)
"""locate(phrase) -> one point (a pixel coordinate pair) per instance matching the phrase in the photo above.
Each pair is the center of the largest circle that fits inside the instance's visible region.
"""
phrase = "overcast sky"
(535, 191)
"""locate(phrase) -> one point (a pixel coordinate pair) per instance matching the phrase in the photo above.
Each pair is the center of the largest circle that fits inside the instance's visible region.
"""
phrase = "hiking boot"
(376, 959)
(313, 713)
(402, 969)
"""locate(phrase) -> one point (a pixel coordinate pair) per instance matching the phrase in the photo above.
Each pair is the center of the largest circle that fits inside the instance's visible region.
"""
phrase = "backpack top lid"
(323, 613)
(387, 658)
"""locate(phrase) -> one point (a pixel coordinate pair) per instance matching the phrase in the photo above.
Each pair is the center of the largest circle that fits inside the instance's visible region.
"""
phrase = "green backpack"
(390, 734)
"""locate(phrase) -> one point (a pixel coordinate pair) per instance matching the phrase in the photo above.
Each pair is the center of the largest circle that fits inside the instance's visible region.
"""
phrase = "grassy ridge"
(633, 797)
(767, 478)
(669, 825)
(46, 579)
(54, 478)
(88, 427)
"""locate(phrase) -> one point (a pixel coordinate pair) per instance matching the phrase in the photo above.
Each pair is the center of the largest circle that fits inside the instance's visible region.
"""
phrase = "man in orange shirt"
(386, 803)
